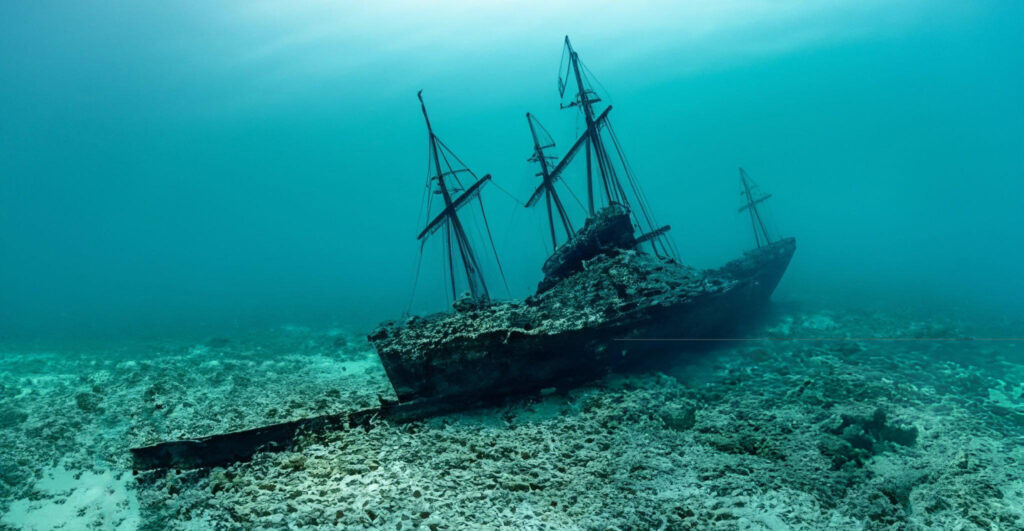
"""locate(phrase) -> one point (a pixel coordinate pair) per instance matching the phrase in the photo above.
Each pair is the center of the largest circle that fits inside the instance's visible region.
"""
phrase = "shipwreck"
(614, 288)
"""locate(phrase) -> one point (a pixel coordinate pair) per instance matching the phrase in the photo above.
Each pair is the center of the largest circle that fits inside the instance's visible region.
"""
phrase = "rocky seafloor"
(788, 433)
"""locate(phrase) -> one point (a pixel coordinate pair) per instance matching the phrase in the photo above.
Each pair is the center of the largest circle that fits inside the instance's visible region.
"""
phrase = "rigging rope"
(608, 95)
(425, 203)
(490, 238)
(445, 152)
(573, 194)
(446, 260)
(456, 157)
(415, 281)
(667, 245)
(451, 170)
(506, 192)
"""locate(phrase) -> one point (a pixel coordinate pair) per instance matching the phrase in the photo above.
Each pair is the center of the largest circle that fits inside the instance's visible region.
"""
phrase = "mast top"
(423, 106)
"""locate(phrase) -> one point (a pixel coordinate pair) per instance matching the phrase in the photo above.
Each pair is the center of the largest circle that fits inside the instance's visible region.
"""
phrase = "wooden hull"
(448, 358)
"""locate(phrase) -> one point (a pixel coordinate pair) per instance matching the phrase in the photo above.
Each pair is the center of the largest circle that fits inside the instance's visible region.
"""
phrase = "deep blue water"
(196, 165)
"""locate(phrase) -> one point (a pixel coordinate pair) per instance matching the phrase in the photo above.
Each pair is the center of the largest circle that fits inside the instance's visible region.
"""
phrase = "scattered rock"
(679, 418)
(632, 452)
(11, 417)
(858, 438)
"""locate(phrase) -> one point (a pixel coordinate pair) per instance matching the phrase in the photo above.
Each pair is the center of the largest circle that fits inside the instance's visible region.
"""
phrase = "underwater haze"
(207, 208)
(177, 166)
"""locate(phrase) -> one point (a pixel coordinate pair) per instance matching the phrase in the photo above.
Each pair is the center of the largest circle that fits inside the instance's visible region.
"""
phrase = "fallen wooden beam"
(240, 446)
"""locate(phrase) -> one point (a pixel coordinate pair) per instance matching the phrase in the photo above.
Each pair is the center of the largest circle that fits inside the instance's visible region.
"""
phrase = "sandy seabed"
(853, 434)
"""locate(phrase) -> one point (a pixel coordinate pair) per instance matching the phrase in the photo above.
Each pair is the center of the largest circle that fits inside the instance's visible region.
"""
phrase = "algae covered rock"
(678, 417)
(857, 438)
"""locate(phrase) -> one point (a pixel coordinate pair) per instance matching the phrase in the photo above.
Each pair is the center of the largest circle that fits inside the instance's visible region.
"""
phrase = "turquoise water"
(170, 166)
(204, 207)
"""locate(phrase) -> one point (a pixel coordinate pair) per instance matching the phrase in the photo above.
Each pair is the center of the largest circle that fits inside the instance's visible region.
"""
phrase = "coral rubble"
(774, 434)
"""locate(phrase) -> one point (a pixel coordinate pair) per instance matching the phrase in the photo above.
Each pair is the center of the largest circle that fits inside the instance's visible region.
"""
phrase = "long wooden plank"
(240, 446)
(226, 448)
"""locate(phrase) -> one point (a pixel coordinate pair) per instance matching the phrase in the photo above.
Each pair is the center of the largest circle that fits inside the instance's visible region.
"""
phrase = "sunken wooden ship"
(614, 288)
(613, 291)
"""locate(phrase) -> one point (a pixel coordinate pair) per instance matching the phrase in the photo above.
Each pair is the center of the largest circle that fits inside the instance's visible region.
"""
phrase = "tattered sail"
(753, 197)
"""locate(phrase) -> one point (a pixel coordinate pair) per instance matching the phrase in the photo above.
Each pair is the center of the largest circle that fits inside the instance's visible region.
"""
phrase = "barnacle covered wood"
(560, 335)
(597, 291)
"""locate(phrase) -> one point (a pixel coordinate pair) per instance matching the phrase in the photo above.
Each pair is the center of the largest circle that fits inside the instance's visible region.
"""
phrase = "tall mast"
(755, 216)
(585, 99)
(548, 182)
(597, 150)
(450, 218)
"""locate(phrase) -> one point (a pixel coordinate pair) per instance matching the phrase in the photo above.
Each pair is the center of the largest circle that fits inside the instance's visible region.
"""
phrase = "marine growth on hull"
(617, 276)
